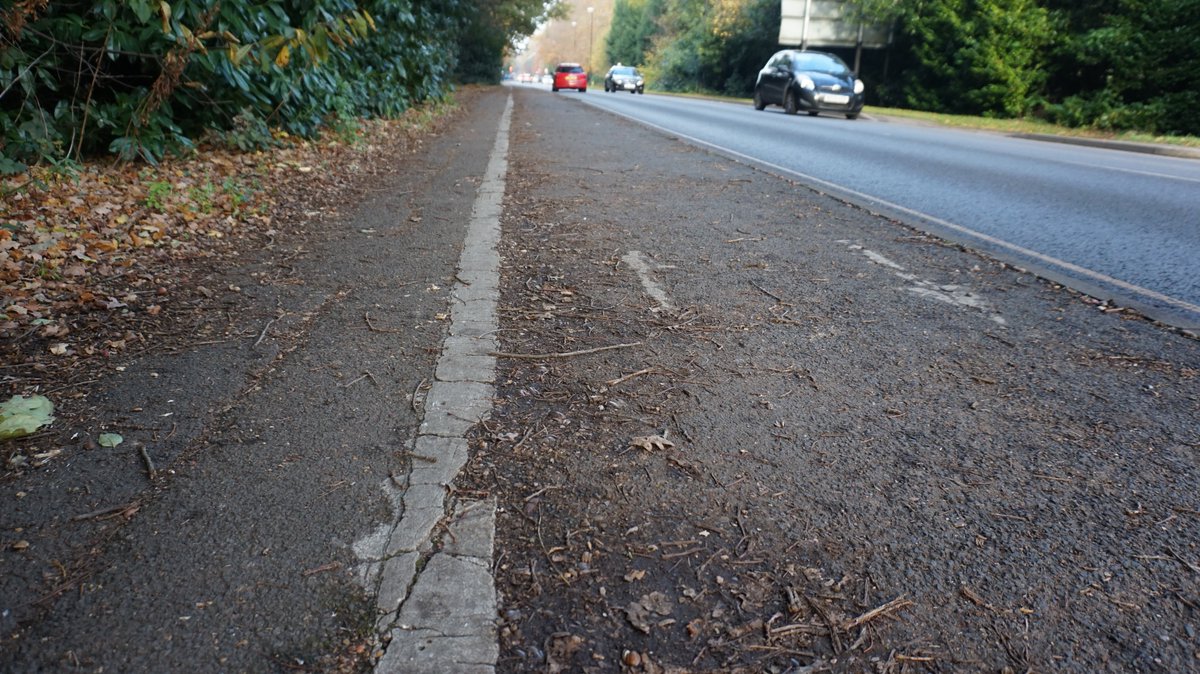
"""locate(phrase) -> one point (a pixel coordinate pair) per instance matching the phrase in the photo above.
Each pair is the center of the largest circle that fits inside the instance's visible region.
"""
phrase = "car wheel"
(791, 104)
(851, 115)
(553, 88)
(641, 91)
(583, 90)
(813, 113)
(759, 103)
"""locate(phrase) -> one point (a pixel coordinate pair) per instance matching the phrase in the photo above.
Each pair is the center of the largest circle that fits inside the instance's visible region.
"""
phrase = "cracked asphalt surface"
(840, 444)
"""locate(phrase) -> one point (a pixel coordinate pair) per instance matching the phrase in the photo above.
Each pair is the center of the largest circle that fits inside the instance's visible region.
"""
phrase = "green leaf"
(109, 440)
(21, 416)
(142, 9)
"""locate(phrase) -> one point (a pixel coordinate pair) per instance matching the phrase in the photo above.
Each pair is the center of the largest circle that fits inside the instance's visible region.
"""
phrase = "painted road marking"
(952, 294)
(637, 262)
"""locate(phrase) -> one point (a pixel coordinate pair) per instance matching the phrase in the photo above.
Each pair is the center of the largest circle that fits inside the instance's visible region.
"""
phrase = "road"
(815, 418)
(532, 403)
(1114, 224)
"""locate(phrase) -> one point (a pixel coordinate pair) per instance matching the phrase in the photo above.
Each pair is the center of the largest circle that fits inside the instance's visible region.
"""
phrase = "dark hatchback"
(812, 81)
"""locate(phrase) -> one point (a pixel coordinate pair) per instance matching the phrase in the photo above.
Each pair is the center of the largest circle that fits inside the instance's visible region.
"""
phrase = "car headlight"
(641, 81)
(805, 82)
(858, 86)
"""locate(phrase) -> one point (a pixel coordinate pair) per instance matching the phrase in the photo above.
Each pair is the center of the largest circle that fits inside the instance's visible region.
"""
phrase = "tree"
(975, 56)
(633, 26)
(713, 45)
(493, 27)
(140, 78)
(1128, 64)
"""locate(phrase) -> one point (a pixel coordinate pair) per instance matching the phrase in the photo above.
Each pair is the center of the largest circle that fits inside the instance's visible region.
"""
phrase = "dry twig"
(564, 354)
(622, 379)
(890, 607)
(372, 328)
(150, 472)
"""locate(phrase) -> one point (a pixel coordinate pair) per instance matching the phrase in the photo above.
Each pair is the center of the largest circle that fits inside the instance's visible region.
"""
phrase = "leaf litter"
(102, 262)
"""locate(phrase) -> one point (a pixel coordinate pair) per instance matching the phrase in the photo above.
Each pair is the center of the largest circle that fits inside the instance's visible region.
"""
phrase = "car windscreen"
(624, 71)
(820, 63)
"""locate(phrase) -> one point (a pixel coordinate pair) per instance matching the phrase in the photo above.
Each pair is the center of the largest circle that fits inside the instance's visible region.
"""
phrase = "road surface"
(1115, 224)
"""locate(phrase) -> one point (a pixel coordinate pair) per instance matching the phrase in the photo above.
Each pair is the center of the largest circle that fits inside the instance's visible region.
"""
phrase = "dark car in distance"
(812, 81)
(624, 78)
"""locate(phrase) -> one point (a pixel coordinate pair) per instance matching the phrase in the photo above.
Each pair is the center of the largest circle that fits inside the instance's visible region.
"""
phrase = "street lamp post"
(591, 31)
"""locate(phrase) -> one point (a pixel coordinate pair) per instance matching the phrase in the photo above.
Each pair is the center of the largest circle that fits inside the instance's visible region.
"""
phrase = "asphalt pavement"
(850, 403)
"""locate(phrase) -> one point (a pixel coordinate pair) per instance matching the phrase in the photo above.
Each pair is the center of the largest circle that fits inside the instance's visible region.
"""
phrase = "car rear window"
(821, 63)
(570, 69)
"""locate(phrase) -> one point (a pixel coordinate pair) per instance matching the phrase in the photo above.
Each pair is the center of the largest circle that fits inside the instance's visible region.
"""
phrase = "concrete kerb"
(471, 346)
(483, 289)
(471, 328)
(1163, 150)
(453, 407)
(463, 367)
(474, 310)
(436, 461)
(442, 618)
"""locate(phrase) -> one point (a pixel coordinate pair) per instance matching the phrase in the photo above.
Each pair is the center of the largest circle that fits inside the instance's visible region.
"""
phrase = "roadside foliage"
(141, 78)
(138, 137)
(1106, 64)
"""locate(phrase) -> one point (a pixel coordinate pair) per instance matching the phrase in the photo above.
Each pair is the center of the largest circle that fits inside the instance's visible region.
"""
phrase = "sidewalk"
(279, 436)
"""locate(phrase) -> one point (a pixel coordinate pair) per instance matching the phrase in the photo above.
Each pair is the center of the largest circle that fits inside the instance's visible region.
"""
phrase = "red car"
(570, 76)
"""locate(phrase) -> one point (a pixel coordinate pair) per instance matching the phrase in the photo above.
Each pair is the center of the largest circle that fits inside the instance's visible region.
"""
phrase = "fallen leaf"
(560, 650)
(639, 612)
(21, 416)
(109, 440)
(651, 442)
(638, 616)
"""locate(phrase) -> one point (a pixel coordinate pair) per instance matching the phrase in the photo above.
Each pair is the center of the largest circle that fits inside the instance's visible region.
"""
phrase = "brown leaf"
(559, 652)
(651, 442)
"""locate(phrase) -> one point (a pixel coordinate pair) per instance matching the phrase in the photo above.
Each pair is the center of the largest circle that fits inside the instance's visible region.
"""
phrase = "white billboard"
(827, 23)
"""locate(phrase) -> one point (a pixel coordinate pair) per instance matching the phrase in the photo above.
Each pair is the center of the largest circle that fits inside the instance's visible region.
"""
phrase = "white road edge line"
(443, 618)
(1000, 243)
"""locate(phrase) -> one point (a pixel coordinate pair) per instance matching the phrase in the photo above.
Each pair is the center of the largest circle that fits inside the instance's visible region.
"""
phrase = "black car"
(624, 78)
(812, 81)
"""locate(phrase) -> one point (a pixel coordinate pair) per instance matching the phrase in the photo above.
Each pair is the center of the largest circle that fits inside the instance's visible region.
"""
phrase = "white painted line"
(442, 618)
(634, 259)
(950, 294)
(877, 258)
